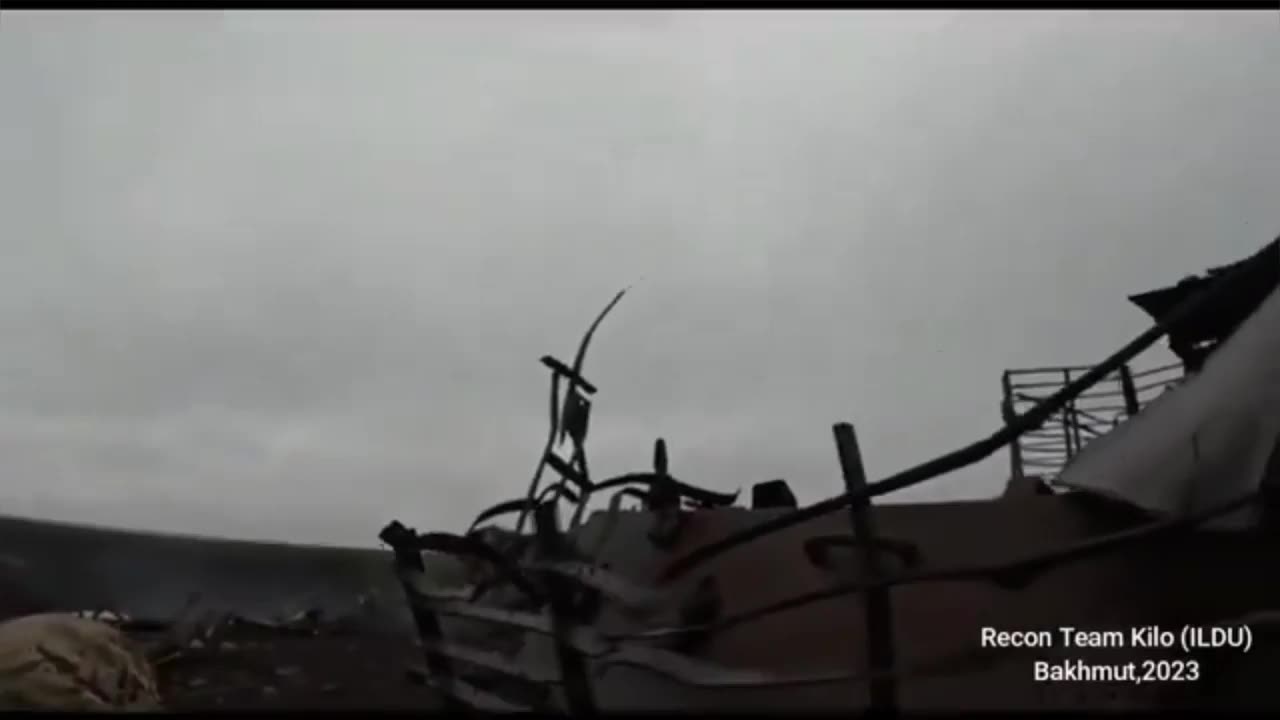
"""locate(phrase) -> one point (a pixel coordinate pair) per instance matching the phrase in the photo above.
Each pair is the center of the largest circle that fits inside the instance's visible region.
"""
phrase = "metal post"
(574, 678)
(1129, 391)
(1015, 447)
(1066, 419)
(879, 611)
(408, 561)
(1008, 415)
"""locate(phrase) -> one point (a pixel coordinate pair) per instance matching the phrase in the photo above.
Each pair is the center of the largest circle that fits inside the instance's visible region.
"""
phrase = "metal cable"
(984, 448)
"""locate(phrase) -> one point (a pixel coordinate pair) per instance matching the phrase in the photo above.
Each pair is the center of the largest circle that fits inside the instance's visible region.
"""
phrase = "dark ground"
(58, 567)
(242, 669)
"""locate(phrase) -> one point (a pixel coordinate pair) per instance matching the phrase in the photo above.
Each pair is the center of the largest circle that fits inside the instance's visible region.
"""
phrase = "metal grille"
(1046, 450)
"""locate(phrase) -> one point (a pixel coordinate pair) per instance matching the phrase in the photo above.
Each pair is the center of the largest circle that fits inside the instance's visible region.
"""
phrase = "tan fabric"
(63, 662)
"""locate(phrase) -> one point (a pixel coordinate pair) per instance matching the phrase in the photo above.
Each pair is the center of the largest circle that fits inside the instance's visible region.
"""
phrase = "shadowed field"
(58, 566)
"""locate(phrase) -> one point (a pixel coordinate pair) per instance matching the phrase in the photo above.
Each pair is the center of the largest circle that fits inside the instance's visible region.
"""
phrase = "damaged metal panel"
(1207, 440)
(697, 606)
(829, 637)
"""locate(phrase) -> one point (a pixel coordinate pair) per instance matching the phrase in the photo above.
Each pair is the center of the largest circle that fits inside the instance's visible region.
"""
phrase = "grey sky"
(289, 275)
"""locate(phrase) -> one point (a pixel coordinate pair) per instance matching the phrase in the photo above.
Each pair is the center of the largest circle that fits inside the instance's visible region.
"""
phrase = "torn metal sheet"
(615, 587)
(427, 587)
(577, 417)
(678, 667)
(718, 607)
(1207, 440)
(584, 640)
(675, 666)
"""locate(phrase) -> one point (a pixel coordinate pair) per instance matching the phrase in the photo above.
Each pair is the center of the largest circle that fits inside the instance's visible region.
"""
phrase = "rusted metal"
(879, 607)
(577, 417)
(690, 672)
(773, 494)
(556, 491)
(409, 561)
(575, 373)
(503, 508)
(696, 495)
(473, 546)
(1014, 574)
(615, 587)
(703, 607)
(678, 667)
(664, 500)
(447, 604)
(576, 380)
(1007, 416)
(420, 585)
(1067, 436)
(573, 669)
(568, 373)
(521, 505)
(611, 515)
(584, 575)
(1130, 392)
(553, 428)
(567, 471)
(584, 642)
(818, 549)
(726, 628)
(574, 414)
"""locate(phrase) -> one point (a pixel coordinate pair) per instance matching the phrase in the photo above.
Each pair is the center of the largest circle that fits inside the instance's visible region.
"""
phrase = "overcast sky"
(288, 275)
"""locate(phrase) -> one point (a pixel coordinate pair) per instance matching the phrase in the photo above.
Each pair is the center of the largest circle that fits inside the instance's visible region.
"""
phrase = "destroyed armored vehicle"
(1136, 509)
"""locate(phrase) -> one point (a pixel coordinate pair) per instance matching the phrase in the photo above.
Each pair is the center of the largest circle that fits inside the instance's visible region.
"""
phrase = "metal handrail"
(1085, 418)
(982, 449)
